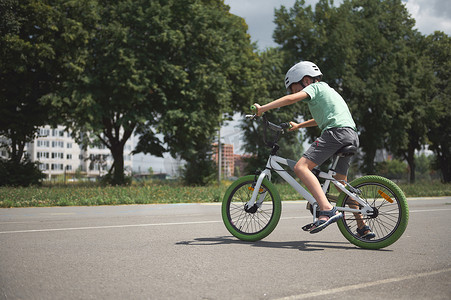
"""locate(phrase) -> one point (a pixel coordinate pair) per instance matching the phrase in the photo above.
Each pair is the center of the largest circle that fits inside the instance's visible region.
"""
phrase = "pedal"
(308, 227)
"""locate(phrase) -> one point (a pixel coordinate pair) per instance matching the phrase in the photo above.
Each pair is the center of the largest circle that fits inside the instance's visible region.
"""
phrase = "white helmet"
(299, 70)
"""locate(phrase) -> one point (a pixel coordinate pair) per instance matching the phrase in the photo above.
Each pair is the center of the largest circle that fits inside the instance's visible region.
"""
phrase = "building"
(227, 159)
(59, 154)
(240, 164)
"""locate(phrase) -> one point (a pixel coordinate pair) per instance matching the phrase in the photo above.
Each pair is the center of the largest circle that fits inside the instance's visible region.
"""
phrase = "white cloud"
(430, 15)
(259, 16)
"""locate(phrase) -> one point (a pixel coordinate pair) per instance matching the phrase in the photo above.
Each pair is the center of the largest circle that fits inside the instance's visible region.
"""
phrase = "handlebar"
(272, 126)
(278, 129)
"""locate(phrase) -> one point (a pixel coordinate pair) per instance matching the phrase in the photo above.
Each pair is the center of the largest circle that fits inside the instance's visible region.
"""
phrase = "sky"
(430, 15)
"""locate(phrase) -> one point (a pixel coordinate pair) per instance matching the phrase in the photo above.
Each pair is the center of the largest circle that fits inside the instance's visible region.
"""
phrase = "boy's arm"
(283, 101)
(309, 123)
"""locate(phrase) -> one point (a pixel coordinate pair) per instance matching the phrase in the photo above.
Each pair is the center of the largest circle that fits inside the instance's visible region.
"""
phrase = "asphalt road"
(185, 252)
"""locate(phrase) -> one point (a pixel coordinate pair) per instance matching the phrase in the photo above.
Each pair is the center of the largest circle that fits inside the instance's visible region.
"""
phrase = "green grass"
(152, 193)
(85, 196)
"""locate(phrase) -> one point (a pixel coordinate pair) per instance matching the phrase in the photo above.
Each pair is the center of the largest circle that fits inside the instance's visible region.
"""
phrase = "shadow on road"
(293, 245)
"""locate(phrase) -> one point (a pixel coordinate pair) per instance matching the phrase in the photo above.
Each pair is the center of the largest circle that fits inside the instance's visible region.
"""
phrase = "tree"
(438, 48)
(424, 165)
(27, 72)
(384, 28)
(117, 87)
(414, 83)
(218, 75)
(392, 169)
(357, 45)
(172, 67)
(38, 43)
(26, 33)
(273, 72)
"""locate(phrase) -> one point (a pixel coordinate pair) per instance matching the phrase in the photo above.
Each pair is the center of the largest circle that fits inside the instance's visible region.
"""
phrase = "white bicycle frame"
(274, 164)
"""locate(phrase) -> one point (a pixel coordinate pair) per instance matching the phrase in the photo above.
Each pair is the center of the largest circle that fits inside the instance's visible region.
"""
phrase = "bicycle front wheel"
(391, 212)
(254, 223)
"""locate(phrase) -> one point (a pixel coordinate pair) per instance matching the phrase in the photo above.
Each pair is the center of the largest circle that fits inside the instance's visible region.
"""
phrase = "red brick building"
(227, 159)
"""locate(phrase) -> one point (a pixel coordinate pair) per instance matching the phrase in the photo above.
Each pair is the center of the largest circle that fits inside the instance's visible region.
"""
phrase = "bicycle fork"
(253, 204)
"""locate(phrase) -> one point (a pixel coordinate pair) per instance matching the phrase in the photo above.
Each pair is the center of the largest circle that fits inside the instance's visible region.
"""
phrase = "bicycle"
(251, 207)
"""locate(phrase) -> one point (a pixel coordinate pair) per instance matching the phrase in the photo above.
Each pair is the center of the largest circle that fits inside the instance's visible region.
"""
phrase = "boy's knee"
(298, 168)
(302, 167)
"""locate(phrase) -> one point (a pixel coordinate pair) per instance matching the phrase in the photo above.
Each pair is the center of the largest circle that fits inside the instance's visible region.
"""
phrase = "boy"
(331, 113)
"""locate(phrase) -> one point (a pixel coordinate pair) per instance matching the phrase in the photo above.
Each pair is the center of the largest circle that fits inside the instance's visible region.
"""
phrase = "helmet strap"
(302, 84)
(314, 79)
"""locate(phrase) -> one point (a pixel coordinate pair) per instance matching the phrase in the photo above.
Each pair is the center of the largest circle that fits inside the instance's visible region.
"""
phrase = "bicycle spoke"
(250, 222)
(388, 215)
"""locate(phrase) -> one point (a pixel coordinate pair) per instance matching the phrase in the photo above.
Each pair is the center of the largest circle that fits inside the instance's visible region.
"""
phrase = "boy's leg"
(358, 217)
(303, 170)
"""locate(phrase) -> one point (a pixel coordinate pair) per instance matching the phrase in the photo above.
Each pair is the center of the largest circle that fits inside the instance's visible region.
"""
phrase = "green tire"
(392, 215)
(254, 224)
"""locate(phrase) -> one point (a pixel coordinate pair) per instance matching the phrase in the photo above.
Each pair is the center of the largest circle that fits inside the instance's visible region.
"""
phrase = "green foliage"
(20, 174)
(108, 195)
(438, 49)
(425, 169)
(27, 71)
(392, 169)
(362, 46)
(151, 193)
(273, 72)
(178, 68)
(200, 169)
(217, 70)
(170, 67)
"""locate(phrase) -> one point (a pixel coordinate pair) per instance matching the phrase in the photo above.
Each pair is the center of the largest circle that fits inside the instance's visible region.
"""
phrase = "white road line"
(362, 286)
(124, 226)
(160, 224)
(110, 226)
(429, 210)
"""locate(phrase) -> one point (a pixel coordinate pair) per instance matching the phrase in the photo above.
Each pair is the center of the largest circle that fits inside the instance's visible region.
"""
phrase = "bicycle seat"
(346, 151)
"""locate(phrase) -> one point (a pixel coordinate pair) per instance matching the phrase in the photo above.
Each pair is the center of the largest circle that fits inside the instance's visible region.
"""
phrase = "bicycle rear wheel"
(391, 212)
(255, 223)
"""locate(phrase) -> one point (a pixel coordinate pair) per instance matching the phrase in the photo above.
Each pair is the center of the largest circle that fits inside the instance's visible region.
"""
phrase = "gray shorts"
(328, 143)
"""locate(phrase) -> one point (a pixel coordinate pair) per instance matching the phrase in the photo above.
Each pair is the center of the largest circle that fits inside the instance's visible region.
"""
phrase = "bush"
(109, 180)
(20, 174)
(200, 172)
(392, 169)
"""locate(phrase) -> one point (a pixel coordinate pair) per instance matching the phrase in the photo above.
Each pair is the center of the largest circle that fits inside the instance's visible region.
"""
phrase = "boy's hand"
(258, 109)
(294, 126)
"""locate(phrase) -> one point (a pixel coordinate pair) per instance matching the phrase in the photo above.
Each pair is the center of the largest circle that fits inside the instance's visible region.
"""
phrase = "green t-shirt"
(327, 107)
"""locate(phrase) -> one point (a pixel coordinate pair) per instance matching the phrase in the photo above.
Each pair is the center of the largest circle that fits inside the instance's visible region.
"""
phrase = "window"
(43, 143)
(59, 155)
(68, 156)
(43, 167)
(57, 144)
(42, 155)
(57, 167)
(44, 132)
